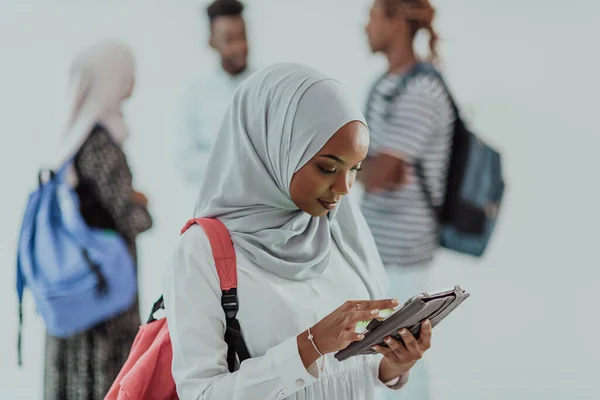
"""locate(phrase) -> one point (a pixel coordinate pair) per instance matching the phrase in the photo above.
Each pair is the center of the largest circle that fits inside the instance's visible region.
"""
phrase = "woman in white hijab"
(286, 155)
(84, 366)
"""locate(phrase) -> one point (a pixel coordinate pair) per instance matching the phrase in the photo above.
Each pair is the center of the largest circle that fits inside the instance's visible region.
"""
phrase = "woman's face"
(321, 183)
(384, 30)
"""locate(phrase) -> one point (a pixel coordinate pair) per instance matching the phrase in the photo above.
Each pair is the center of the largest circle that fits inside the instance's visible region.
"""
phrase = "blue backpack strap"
(21, 282)
(44, 176)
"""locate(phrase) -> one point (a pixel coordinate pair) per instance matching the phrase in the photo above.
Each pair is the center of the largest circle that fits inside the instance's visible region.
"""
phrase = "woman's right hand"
(337, 330)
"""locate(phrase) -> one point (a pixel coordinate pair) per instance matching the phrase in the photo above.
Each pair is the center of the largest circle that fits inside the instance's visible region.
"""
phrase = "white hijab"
(101, 77)
(279, 119)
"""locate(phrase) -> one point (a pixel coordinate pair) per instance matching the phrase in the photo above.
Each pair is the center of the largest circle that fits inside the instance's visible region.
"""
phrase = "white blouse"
(272, 312)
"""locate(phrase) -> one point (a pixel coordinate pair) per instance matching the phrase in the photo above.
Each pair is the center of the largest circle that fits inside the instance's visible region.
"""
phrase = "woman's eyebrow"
(334, 158)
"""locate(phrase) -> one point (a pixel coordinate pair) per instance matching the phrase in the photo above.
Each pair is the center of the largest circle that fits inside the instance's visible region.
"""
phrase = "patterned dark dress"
(84, 366)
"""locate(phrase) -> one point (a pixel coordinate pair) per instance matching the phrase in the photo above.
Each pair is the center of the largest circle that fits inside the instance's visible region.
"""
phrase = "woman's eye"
(326, 171)
(357, 169)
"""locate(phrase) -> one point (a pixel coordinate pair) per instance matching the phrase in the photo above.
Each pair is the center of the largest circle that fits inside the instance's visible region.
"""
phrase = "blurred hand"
(139, 198)
(399, 176)
(400, 358)
(386, 172)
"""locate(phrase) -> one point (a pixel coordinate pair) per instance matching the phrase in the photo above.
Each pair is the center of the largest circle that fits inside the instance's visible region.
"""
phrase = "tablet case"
(435, 306)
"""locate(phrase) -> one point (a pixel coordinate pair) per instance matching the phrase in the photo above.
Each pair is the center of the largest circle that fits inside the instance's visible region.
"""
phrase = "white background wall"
(524, 71)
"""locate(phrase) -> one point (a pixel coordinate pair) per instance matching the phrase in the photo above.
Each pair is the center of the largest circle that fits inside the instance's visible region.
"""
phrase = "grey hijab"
(279, 119)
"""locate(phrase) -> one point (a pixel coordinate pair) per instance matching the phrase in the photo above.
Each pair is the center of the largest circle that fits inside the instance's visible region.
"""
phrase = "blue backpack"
(79, 276)
(474, 186)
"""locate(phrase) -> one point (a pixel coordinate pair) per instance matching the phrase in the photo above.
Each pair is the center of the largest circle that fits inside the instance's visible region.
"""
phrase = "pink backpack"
(146, 374)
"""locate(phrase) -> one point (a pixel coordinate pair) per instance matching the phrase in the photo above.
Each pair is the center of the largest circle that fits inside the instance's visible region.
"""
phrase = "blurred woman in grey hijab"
(84, 366)
(285, 158)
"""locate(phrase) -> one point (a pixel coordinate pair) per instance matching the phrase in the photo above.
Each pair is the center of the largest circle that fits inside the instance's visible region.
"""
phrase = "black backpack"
(474, 185)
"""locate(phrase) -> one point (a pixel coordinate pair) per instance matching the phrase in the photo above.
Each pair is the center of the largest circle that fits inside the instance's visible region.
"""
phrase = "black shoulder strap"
(422, 68)
(158, 305)
(233, 332)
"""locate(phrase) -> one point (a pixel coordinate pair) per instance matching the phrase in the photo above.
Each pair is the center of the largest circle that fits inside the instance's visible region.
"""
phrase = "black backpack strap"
(424, 68)
(20, 335)
(21, 283)
(158, 305)
(45, 175)
(233, 331)
(417, 69)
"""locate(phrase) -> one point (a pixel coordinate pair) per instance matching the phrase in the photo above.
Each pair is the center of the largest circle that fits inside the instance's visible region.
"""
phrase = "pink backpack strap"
(222, 249)
(225, 261)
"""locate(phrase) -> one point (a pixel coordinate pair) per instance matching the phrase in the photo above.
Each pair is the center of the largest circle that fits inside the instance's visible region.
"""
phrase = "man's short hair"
(224, 8)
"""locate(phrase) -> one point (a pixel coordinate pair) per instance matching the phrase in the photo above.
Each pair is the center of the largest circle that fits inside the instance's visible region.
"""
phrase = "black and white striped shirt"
(417, 127)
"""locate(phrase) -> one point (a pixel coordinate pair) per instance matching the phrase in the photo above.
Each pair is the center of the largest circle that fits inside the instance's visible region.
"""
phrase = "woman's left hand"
(139, 198)
(400, 358)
